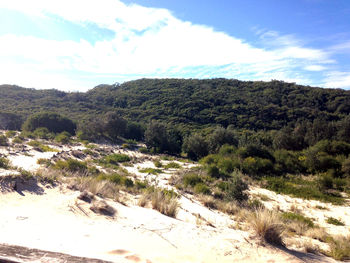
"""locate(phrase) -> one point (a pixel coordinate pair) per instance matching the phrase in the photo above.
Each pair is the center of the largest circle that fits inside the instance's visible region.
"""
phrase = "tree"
(195, 146)
(54, 122)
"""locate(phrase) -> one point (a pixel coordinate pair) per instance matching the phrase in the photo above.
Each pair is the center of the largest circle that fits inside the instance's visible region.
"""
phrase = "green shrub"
(116, 158)
(3, 140)
(301, 188)
(54, 122)
(326, 182)
(236, 187)
(10, 134)
(141, 185)
(290, 216)
(4, 163)
(191, 180)
(17, 140)
(150, 170)
(63, 137)
(334, 221)
(43, 161)
(172, 165)
(143, 150)
(42, 147)
(257, 166)
(157, 163)
(201, 188)
(43, 133)
(340, 248)
(213, 171)
(71, 165)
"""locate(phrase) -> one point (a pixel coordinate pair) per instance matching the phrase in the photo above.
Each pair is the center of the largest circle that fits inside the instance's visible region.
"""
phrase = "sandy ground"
(57, 221)
(316, 210)
(53, 219)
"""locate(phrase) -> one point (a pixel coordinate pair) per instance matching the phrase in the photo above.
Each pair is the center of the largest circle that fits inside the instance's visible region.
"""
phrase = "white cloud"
(337, 79)
(315, 68)
(148, 42)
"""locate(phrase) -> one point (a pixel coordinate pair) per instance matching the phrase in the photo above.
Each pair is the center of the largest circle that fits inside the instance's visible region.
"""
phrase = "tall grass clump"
(166, 202)
(267, 225)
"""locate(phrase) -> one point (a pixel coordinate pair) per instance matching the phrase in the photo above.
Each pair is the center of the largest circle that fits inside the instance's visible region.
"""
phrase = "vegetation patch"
(290, 216)
(150, 170)
(42, 147)
(4, 163)
(172, 165)
(298, 187)
(71, 165)
(334, 221)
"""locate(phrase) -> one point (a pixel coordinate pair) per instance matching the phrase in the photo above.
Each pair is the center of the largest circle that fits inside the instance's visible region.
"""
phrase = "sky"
(77, 45)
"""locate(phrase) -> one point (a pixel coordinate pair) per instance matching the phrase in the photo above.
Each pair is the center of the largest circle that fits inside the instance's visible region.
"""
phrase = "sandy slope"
(53, 219)
(56, 221)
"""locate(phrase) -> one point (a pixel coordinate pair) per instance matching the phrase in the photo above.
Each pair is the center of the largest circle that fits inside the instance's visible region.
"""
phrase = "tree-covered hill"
(188, 102)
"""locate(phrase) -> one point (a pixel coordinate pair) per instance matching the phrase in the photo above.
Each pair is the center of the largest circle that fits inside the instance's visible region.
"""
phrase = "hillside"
(190, 103)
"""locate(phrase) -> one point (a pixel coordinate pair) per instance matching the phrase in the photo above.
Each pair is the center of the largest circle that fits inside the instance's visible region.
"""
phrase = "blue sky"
(76, 45)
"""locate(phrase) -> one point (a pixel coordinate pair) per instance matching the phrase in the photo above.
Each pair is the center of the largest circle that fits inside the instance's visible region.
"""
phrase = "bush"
(201, 188)
(172, 165)
(42, 133)
(195, 146)
(17, 140)
(63, 137)
(257, 166)
(116, 158)
(3, 140)
(334, 221)
(52, 121)
(71, 165)
(290, 216)
(10, 134)
(150, 171)
(4, 163)
(236, 187)
(213, 171)
(191, 180)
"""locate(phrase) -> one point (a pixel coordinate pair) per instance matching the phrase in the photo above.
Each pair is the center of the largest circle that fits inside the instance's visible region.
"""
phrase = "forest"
(264, 129)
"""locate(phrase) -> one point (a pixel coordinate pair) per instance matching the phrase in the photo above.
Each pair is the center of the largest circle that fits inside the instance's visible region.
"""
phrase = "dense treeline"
(260, 128)
(189, 104)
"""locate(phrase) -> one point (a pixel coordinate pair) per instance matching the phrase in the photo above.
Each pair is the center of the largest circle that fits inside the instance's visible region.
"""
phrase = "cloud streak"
(148, 42)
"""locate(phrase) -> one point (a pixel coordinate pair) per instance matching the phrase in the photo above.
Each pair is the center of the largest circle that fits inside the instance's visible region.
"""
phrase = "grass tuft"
(267, 225)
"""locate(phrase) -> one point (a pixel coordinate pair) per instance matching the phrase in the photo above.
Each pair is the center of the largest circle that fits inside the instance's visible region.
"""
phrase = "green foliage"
(221, 136)
(191, 180)
(162, 139)
(3, 140)
(116, 158)
(172, 165)
(4, 163)
(17, 139)
(195, 146)
(213, 171)
(71, 165)
(43, 133)
(306, 189)
(257, 166)
(334, 221)
(150, 171)
(52, 121)
(10, 134)
(236, 187)
(201, 188)
(41, 147)
(290, 216)
(117, 179)
(63, 138)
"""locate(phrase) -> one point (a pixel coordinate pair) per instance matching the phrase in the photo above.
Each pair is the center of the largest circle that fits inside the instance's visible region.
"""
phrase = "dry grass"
(97, 187)
(317, 233)
(340, 248)
(267, 225)
(229, 208)
(208, 201)
(160, 201)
